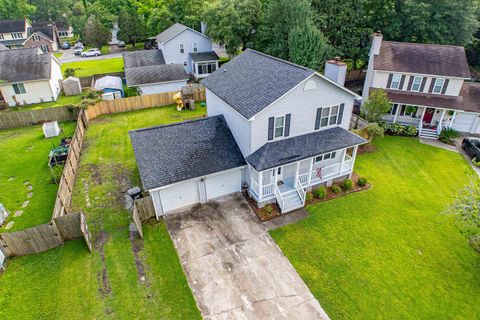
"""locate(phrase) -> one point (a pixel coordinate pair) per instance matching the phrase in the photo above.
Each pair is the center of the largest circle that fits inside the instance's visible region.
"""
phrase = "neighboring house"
(29, 76)
(147, 71)
(276, 128)
(13, 33)
(64, 30)
(43, 35)
(426, 84)
(183, 45)
(3, 47)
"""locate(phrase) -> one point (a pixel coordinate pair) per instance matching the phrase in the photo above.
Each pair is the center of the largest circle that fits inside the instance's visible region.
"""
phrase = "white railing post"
(310, 169)
(452, 119)
(260, 184)
(296, 174)
(396, 113)
(354, 155)
(420, 124)
(440, 123)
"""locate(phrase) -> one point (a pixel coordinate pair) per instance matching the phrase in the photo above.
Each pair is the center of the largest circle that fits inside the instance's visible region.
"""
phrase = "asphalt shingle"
(171, 32)
(253, 80)
(143, 58)
(204, 56)
(24, 65)
(155, 74)
(7, 26)
(281, 152)
(183, 151)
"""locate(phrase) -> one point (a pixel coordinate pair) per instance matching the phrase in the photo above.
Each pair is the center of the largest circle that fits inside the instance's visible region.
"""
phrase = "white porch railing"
(326, 173)
(405, 120)
(268, 190)
(301, 192)
(280, 200)
(262, 191)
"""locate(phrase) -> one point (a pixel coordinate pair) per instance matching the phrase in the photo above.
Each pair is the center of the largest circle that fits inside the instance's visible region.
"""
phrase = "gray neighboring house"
(147, 71)
(183, 45)
(275, 127)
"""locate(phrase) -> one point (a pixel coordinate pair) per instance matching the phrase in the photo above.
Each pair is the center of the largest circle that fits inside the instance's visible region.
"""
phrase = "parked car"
(78, 49)
(65, 45)
(472, 147)
(94, 52)
(121, 44)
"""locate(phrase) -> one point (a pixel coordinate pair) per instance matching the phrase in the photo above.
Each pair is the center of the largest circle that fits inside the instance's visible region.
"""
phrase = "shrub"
(410, 131)
(448, 135)
(268, 209)
(394, 129)
(69, 72)
(130, 92)
(362, 182)
(374, 131)
(347, 185)
(376, 106)
(309, 197)
(335, 188)
(320, 193)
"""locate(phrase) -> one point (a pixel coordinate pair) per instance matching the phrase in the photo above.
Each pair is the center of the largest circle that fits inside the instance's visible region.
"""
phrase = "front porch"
(287, 184)
(429, 120)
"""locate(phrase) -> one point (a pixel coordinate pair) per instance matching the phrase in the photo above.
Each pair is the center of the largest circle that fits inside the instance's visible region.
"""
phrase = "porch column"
(343, 159)
(420, 125)
(452, 119)
(260, 184)
(354, 156)
(396, 113)
(296, 174)
(440, 124)
(310, 169)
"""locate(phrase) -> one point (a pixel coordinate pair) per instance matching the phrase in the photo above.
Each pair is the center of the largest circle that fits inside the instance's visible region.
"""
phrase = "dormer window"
(36, 37)
(417, 82)
(396, 78)
(437, 87)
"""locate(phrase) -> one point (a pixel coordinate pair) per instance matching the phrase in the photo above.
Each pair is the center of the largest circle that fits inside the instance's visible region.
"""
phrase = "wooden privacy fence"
(67, 181)
(356, 75)
(358, 123)
(15, 119)
(138, 103)
(46, 236)
(145, 208)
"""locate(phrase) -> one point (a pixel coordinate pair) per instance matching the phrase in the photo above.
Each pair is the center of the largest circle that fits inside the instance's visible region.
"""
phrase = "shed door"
(223, 184)
(178, 196)
(464, 121)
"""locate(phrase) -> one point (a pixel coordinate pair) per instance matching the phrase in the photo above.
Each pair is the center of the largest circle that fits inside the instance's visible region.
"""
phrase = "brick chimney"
(336, 70)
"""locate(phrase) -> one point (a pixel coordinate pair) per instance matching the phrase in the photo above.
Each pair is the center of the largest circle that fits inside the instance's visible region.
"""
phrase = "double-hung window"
(195, 47)
(19, 88)
(36, 37)
(329, 116)
(417, 82)
(437, 87)
(396, 78)
(17, 35)
(182, 49)
(279, 127)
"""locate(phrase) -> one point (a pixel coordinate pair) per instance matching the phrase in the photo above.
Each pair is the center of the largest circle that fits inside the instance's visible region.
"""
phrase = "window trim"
(36, 37)
(329, 117)
(181, 48)
(419, 83)
(441, 86)
(20, 88)
(275, 127)
(398, 82)
(322, 157)
(195, 47)
(45, 48)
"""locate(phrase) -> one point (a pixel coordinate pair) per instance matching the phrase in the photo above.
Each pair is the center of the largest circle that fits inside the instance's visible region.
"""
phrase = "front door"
(427, 117)
(279, 172)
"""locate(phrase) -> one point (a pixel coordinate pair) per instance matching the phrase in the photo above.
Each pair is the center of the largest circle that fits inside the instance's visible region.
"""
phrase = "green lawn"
(68, 280)
(24, 157)
(390, 253)
(58, 54)
(88, 67)
(138, 46)
(61, 101)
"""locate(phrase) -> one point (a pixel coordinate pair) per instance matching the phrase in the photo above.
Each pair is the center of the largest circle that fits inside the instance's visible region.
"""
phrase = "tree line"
(303, 31)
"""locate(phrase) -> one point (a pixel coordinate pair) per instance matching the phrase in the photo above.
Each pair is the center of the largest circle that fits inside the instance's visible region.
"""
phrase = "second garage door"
(180, 195)
(464, 121)
(223, 184)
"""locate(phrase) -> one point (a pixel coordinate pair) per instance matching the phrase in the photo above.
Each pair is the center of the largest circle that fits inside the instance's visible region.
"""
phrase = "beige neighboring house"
(13, 33)
(43, 35)
(29, 76)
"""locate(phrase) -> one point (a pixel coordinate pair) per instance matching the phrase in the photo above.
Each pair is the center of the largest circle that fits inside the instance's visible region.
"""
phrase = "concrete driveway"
(233, 266)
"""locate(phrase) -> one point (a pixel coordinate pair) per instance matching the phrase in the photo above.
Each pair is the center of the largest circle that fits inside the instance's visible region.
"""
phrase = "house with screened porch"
(427, 84)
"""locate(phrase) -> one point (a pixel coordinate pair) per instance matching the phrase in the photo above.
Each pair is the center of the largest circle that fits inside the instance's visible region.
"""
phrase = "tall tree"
(282, 16)
(15, 9)
(132, 27)
(308, 46)
(233, 22)
(95, 33)
(51, 10)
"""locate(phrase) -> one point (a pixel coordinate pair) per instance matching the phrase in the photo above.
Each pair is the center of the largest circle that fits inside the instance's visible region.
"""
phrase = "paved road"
(233, 266)
(68, 56)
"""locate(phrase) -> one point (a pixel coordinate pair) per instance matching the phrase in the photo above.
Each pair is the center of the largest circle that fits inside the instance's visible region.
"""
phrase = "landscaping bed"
(390, 253)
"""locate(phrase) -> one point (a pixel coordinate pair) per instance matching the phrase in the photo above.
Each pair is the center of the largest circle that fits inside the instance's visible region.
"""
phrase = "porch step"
(292, 203)
(428, 134)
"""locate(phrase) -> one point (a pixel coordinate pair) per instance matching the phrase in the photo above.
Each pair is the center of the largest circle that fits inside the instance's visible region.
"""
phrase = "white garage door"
(178, 196)
(464, 121)
(223, 184)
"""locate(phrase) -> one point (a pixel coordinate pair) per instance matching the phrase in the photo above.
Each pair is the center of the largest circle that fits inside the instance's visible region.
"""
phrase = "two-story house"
(29, 76)
(43, 35)
(273, 127)
(183, 45)
(427, 85)
(13, 33)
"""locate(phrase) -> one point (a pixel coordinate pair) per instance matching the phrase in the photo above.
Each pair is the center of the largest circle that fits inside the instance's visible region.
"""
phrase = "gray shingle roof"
(281, 152)
(204, 56)
(24, 65)
(143, 58)
(171, 32)
(252, 81)
(432, 59)
(12, 26)
(183, 151)
(155, 74)
(13, 42)
(43, 28)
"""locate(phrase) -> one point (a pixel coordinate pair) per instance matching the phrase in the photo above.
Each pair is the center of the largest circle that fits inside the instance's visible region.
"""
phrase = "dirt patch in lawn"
(137, 246)
(102, 276)
(95, 174)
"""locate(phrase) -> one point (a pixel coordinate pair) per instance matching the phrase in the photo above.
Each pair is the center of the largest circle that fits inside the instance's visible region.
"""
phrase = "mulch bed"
(265, 216)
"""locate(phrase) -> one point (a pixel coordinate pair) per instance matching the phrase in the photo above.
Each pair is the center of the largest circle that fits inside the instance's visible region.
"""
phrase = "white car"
(95, 52)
